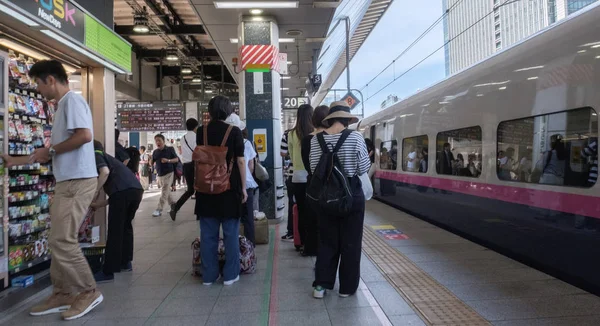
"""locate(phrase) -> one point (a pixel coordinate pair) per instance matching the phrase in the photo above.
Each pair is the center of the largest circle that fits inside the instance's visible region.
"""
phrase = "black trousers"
(340, 242)
(248, 216)
(188, 173)
(311, 230)
(290, 192)
(119, 240)
(299, 190)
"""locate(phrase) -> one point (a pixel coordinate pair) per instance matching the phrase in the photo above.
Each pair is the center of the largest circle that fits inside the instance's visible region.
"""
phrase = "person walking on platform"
(303, 128)
(220, 195)
(124, 193)
(74, 290)
(165, 159)
(187, 149)
(340, 234)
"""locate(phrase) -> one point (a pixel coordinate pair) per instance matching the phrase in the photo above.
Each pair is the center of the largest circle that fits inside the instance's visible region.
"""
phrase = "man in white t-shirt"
(411, 158)
(188, 144)
(74, 166)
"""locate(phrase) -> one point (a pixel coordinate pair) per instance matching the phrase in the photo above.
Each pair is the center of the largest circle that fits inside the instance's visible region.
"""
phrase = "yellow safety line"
(434, 302)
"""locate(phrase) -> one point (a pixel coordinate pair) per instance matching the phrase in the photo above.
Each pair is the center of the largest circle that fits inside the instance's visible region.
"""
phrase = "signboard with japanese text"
(150, 116)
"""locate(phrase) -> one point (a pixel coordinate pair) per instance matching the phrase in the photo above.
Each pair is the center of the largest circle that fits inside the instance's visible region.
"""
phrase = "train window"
(388, 159)
(557, 149)
(415, 154)
(459, 152)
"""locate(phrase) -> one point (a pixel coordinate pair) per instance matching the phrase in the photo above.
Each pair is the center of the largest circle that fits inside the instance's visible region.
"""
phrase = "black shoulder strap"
(342, 139)
(322, 143)
(188, 145)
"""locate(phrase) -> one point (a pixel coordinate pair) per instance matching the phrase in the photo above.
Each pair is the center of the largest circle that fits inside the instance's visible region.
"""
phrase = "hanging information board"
(150, 116)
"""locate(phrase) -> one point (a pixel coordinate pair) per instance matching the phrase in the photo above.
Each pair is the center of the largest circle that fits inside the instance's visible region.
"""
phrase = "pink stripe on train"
(563, 202)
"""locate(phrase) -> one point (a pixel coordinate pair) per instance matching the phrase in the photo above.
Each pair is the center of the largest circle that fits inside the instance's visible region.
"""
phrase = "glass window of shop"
(556, 149)
(389, 155)
(458, 152)
(415, 154)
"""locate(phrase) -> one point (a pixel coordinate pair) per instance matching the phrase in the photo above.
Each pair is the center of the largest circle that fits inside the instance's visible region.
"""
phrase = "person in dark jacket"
(124, 197)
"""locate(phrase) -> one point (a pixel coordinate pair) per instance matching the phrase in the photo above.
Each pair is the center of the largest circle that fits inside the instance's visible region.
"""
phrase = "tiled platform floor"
(161, 291)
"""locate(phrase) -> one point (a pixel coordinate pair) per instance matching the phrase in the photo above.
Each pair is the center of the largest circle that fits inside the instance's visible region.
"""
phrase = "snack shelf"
(29, 264)
(34, 231)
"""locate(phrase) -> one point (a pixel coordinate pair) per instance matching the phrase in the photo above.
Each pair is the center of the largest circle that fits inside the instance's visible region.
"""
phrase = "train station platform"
(413, 273)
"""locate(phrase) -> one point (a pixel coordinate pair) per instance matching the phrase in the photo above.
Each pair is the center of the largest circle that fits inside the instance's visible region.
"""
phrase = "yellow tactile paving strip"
(436, 304)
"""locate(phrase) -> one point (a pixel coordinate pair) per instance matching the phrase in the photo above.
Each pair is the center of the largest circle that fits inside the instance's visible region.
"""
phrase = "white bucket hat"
(235, 120)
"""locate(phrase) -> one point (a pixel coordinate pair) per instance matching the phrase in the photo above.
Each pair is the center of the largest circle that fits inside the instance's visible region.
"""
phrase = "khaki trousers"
(165, 183)
(69, 270)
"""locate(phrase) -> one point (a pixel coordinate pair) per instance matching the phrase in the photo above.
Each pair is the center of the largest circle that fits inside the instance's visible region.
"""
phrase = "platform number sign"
(294, 102)
(351, 100)
(316, 81)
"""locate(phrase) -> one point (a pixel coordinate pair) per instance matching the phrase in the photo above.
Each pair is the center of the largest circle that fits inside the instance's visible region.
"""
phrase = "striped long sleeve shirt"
(353, 154)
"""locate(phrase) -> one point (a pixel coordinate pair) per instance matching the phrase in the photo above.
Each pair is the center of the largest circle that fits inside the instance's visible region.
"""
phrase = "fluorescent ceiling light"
(18, 16)
(256, 4)
(492, 84)
(234, 40)
(84, 51)
(326, 4)
(529, 68)
(502, 88)
(286, 77)
(196, 80)
(256, 11)
(289, 62)
(479, 95)
(22, 49)
(186, 70)
(208, 91)
(533, 78)
(596, 46)
(444, 102)
(74, 81)
(287, 40)
(285, 89)
(581, 51)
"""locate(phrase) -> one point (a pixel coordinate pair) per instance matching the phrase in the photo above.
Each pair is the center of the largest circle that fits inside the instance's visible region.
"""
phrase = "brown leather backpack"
(211, 166)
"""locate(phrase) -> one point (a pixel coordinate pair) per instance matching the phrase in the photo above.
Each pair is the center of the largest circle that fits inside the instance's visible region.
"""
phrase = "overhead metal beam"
(127, 30)
(198, 53)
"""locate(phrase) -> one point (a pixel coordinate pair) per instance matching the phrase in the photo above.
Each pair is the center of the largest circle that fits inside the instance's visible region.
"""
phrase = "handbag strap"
(188, 145)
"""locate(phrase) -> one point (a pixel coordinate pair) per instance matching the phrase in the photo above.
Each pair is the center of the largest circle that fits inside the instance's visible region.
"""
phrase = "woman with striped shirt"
(340, 237)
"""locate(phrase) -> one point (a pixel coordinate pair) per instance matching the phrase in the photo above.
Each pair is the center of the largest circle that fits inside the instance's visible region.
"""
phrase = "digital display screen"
(150, 116)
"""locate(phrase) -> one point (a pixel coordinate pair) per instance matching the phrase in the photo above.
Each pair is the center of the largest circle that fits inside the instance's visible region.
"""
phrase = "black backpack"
(329, 188)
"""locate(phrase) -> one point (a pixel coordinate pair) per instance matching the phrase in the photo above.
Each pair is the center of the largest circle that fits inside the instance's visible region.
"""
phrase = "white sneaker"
(232, 281)
(344, 295)
(318, 292)
(207, 283)
(157, 213)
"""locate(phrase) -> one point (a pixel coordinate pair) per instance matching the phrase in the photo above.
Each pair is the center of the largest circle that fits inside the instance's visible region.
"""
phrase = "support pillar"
(260, 106)
(100, 88)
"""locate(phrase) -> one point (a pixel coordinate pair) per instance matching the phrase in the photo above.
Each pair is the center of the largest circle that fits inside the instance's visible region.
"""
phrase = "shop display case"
(3, 174)
(29, 188)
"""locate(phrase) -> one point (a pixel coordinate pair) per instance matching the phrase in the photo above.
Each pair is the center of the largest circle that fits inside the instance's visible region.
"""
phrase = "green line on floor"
(264, 318)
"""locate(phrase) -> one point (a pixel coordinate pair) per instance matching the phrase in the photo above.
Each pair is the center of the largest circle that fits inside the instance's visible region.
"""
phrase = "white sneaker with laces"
(157, 213)
(232, 281)
(318, 292)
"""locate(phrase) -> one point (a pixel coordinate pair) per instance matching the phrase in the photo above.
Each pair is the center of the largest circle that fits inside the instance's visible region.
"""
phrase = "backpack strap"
(342, 139)
(226, 136)
(322, 143)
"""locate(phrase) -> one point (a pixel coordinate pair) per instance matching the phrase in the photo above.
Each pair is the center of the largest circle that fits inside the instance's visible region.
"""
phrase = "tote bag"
(367, 187)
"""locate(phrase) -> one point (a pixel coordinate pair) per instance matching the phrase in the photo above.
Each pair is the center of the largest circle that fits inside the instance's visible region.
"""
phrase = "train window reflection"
(459, 152)
(388, 159)
(557, 149)
(415, 154)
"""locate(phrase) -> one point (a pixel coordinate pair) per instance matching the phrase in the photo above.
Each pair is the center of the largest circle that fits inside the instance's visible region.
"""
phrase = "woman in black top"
(223, 209)
(124, 196)
(311, 226)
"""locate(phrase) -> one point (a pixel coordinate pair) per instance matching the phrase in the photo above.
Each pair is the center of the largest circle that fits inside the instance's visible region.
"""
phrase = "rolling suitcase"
(297, 240)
